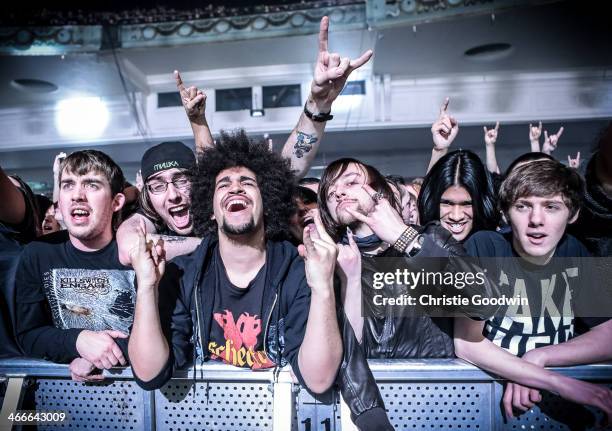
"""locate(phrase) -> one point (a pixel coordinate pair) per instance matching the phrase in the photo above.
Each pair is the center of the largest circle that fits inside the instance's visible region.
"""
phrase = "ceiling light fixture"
(489, 51)
(82, 117)
(29, 85)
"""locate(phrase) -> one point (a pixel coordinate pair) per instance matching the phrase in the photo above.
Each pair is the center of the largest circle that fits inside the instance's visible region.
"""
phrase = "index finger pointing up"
(444, 106)
(179, 81)
(323, 34)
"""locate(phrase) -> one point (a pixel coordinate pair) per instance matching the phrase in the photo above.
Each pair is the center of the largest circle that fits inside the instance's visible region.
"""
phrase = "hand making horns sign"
(331, 70)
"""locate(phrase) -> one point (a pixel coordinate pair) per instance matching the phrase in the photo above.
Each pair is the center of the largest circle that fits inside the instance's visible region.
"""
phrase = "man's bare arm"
(148, 349)
(330, 75)
(194, 102)
(592, 347)
(304, 140)
(473, 347)
(127, 237)
(320, 354)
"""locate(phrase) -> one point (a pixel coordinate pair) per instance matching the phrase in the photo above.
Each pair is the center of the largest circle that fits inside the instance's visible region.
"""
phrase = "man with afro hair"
(244, 294)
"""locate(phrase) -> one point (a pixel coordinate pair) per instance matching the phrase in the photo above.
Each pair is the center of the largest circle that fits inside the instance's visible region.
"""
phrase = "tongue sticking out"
(181, 218)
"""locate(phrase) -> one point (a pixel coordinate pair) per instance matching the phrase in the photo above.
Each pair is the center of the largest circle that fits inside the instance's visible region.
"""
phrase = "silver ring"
(377, 196)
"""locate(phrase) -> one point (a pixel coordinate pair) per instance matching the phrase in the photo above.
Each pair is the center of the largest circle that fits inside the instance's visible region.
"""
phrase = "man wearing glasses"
(165, 202)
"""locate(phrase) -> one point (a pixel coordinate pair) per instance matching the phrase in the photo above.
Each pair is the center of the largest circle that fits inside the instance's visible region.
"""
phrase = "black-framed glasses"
(157, 187)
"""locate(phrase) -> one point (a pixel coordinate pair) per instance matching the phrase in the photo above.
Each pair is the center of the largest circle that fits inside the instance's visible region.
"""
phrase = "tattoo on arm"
(303, 144)
(169, 238)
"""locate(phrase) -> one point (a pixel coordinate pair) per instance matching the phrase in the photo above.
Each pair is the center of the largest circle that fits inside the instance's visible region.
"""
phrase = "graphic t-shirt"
(237, 331)
(62, 290)
(552, 292)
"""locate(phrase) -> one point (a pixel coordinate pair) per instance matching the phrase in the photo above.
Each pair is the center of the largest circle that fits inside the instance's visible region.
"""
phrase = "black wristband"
(321, 117)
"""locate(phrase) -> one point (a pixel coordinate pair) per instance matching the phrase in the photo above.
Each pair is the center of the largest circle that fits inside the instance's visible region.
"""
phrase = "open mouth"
(80, 215)
(180, 215)
(236, 205)
(456, 228)
(536, 238)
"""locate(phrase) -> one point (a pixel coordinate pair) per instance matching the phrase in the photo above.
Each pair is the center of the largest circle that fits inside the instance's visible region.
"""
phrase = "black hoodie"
(187, 295)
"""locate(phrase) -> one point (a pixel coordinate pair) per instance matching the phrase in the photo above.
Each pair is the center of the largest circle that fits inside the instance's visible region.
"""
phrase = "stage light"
(82, 117)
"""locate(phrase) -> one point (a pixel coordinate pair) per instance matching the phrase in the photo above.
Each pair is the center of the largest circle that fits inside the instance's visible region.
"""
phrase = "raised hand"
(535, 132)
(574, 163)
(551, 141)
(349, 260)
(148, 260)
(490, 135)
(194, 100)
(384, 220)
(57, 162)
(319, 252)
(331, 70)
(445, 128)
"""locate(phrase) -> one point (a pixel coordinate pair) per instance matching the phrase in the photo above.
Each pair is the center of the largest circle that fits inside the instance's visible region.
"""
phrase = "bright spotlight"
(82, 117)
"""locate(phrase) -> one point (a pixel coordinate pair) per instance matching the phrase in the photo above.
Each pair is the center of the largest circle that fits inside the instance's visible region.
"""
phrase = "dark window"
(233, 99)
(353, 87)
(280, 96)
(165, 100)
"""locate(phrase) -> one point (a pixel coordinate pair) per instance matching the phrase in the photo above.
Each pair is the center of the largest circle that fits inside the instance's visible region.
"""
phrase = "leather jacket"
(387, 335)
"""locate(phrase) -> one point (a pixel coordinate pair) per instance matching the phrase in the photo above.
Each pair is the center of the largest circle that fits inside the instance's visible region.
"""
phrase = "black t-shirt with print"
(237, 331)
(554, 293)
(61, 290)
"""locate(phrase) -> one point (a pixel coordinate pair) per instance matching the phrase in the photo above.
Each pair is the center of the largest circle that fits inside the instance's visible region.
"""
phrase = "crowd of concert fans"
(228, 252)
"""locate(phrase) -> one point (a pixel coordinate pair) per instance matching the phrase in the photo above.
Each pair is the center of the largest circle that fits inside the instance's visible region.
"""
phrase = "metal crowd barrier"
(436, 394)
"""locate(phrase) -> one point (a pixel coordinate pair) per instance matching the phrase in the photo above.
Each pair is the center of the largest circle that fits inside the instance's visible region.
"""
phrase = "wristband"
(321, 117)
(404, 239)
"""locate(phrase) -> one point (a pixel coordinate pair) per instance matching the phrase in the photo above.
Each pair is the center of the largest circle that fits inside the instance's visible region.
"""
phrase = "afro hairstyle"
(274, 179)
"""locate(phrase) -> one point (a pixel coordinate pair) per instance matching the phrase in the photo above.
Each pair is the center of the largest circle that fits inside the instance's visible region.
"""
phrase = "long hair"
(332, 172)
(460, 168)
(274, 179)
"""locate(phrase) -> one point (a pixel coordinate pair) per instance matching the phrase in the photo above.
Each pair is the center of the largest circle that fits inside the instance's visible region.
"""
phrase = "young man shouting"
(75, 300)
(245, 295)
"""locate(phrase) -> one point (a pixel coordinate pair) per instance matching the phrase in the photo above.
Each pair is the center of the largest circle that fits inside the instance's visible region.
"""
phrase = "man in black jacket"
(244, 295)
(359, 209)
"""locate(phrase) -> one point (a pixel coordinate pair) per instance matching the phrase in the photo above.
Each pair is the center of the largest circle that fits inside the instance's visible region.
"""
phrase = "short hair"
(542, 178)
(528, 158)
(85, 161)
(331, 173)
(308, 180)
(274, 179)
(459, 168)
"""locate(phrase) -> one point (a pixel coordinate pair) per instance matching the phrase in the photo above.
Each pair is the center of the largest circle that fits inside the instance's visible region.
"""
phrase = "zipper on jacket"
(265, 346)
(198, 329)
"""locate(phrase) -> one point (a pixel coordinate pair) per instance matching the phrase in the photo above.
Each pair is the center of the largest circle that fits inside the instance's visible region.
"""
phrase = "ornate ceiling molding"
(374, 14)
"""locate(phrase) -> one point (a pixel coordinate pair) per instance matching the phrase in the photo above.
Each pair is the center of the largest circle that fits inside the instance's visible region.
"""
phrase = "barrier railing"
(419, 394)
